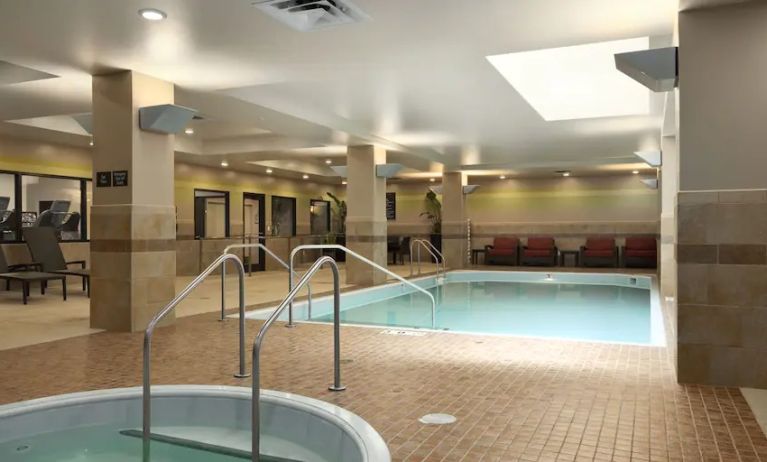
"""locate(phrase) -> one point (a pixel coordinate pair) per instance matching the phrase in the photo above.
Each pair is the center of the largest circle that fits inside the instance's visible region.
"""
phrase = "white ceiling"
(414, 78)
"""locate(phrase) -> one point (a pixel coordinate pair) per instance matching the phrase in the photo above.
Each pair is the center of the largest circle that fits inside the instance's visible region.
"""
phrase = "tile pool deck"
(515, 399)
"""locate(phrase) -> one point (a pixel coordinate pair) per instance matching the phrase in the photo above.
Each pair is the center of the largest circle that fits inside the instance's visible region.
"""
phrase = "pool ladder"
(146, 382)
(364, 260)
(146, 433)
(433, 251)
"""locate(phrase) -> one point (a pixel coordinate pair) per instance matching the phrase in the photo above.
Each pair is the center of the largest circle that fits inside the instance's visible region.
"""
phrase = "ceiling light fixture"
(635, 172)
(305, 177)
(328, 162)
(432, 180)
(269, 171)
(224, 163)
(576, 82)
(189, 131)
(90, 143)
(564, 172)
(152, 14)
(344, 182)
(503, 177)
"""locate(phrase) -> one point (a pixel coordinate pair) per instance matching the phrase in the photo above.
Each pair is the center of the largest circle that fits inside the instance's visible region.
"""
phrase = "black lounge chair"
(26, 274)
(45, 250)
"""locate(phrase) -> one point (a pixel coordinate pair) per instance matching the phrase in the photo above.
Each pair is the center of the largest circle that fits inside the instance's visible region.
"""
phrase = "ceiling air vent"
(308, 15)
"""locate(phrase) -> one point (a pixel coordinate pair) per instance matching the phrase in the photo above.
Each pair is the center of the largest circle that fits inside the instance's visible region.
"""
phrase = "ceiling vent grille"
(308, 15)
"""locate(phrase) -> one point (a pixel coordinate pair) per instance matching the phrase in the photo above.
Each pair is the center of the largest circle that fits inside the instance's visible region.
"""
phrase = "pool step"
(200, 446)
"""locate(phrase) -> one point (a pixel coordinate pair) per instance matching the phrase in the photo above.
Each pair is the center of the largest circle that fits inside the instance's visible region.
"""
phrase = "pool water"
(107, 444)
(607, 313)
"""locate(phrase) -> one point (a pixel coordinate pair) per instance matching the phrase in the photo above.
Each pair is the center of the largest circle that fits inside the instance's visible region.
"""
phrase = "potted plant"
(339, 211)
(433, 213)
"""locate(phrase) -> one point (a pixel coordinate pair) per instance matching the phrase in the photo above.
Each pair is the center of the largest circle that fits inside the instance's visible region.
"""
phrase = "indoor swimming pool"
(613, 308)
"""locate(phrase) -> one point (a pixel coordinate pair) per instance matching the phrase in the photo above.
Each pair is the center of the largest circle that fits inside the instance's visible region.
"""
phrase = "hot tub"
(190, 424)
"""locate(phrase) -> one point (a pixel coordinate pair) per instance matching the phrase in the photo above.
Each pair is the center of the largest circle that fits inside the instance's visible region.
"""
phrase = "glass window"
(211, 214)
(8, 216)
(319, 217)
(283, 216)
(52, 202)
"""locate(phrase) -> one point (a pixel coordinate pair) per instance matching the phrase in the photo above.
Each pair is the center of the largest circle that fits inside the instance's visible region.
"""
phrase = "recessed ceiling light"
(224, 163)
(152, 14)
(565, 173)
(189, 131)
(328, 161)
(90, 143)
(635, 172)
(305, 177)
(503, 177)
(269, 171)
(432, 180)
(576, 82)
(343, 182)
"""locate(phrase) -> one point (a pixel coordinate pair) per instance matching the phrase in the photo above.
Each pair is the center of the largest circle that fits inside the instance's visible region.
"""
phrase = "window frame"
(17, 202)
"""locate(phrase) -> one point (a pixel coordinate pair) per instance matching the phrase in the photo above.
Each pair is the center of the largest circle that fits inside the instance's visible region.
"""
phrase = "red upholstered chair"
(599, 251)
(504, 251)
(640, 252)
(540, 251)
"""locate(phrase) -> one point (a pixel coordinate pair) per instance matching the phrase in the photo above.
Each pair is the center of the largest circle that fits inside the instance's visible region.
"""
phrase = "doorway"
(319, 217)
(254, 225)
(211, 214)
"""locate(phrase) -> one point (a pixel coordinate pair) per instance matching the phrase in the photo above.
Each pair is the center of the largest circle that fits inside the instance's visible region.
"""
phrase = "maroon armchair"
(599, 251)
(540, 251)
(640, 252)
(504, 251)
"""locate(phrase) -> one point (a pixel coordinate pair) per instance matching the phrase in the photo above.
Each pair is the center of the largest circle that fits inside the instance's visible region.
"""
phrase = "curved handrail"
(271, 254)
(361, 258)
(146, 396)
(256, 387)
(429, 247)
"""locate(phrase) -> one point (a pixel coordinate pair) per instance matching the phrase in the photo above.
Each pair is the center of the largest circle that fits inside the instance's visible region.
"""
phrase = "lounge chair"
(45, 250)
(599, 251)
(640, 252)
(26, 274)
(540, 251)
(504, 251)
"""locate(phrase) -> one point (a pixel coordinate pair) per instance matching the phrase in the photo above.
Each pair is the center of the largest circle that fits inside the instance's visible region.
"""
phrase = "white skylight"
(577, 82)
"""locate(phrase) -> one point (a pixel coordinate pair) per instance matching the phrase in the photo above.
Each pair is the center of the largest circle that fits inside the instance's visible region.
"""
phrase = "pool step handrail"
(256, 387)
(149, 332)
(268, 252)
(432, 249)
(365, 260)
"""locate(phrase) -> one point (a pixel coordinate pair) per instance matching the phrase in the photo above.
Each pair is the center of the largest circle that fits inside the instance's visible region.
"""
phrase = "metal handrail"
(432, 249)
(256, 390)
(146, 397)
(271, 254)
(363, 259)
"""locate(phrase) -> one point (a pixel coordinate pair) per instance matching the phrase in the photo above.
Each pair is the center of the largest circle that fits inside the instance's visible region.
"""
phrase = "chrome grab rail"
(432, 249)
(256, 390)
(271, 254)
(363, 259)
(146, 396)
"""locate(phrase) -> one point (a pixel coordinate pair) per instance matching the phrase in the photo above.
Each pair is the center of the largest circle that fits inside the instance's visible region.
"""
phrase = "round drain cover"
(437, 419)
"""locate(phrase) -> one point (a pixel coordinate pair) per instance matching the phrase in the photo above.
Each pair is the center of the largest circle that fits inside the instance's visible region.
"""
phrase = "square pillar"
(133, 234)
(454, 230)
(366, 225)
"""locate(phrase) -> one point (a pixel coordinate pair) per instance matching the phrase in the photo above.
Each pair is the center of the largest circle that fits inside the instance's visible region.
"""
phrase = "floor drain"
(406, 333)
(23, 448)
(437, 419)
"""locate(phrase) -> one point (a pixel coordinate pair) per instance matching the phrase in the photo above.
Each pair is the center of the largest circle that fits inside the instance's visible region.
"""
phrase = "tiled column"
(722, 203)
(366, 218)
(133, 235)
(454, 231)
